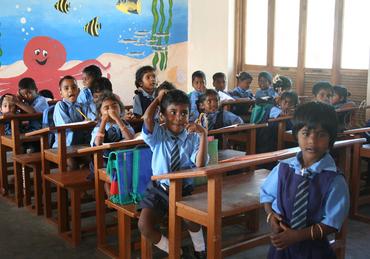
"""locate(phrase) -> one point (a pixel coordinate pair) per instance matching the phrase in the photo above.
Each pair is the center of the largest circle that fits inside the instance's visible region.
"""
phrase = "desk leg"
(214, 217)
(124, 236)
(37, 188)
(62, 199)
(355, 180)
(174, 222)
(76, 216)
(18, 184)
(100, 205)
(4, 171)
(27, 185)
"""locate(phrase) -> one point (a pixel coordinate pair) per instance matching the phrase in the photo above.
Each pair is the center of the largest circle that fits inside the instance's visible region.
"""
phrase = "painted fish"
(126, 41)
(93, 27)
(62, 6)
(141, 33)
(161, 34)
(135, 53)
(129, 6)
(139, 44)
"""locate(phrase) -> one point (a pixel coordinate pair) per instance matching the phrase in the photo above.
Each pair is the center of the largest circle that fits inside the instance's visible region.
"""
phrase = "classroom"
(185, 129)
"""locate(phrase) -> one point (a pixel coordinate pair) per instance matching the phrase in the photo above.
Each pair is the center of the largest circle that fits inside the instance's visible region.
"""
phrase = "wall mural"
(47, 40)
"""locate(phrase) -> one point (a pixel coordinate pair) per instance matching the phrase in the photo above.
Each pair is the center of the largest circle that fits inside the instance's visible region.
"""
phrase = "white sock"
(163, 244)
(198, 240)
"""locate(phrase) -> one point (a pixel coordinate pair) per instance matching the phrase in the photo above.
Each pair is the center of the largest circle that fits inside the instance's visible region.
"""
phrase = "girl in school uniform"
(339, 100)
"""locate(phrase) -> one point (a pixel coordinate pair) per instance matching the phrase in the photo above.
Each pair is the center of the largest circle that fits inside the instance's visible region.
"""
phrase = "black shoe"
(200, 255)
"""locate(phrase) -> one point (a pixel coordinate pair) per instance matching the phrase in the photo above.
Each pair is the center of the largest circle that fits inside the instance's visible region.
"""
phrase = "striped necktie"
(299, 215)
(175, 155)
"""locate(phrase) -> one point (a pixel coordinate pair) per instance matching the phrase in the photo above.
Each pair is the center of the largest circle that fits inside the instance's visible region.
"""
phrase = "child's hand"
(105, 117)
(275, 221)
(161, 94)
(285, 238)
(114, 115)
(194, 127)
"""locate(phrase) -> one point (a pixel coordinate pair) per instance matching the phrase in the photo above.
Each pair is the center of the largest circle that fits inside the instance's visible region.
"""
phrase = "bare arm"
(124, 130)
(100, 136)
(201, 158)
(149, 114)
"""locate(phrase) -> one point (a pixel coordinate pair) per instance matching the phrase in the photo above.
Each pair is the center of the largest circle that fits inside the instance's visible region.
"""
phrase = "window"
(256, 32)
(286, 33)
(356, 36)
(320, 33)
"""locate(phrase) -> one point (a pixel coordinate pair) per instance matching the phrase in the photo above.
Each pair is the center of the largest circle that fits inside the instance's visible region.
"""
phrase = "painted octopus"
(43, 57)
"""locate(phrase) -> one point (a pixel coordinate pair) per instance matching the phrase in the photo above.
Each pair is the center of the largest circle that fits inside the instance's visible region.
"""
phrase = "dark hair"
(283, 82)
(208, 92)
(290, 95)
(321, 85)
(111, 97)
(140, 74)
(164, 86)
(242, 76)
(46, 93)
(266, 75)
(27, 83)
(174, 97)
(314, 114)
(66, 78)
(218, 75)
(341, 91)
(101, 84)
(198, 74)
(3, 97)
(93, 71)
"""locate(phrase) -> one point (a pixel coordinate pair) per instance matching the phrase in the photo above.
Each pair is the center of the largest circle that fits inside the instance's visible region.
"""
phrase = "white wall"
(211, 38)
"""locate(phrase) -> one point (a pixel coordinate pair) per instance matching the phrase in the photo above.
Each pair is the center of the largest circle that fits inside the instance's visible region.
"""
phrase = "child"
(145, 82)
(210, 101)
(242, 90)
(67, 111)
(179, 145)
(100, 87)
(198, 79)
(281, 84)
(305, 197)
(111, 127)
(165, 86)
(288, 101)
(266, 89)
(322, 91)
(339, 100)
(7, 107)
(85, 97)
(219, 83)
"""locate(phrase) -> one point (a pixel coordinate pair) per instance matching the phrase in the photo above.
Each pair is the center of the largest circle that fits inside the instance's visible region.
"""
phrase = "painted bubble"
(23, 20)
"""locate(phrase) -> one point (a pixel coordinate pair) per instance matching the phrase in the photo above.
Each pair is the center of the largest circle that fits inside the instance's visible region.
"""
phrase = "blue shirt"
(336, 203)
(66, 112)
(194, 113)
(112, 133)
(275, 112)
(229, 118)
(161, 143)
(39, 104)
(86, 98)
(269, 92)
(242, 93)
(136, 108)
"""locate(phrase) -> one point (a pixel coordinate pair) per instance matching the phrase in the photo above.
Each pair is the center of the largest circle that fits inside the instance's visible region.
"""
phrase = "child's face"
(7, 107)
(263, 83)
(220, 83)
(149, 81)
(176, 117)
(245, 84)
(28, 94)
(314, 143)
(287, 104)
(199, 84)
(87, 80)
(336, 98)
(210, 104)
(323, 96)
(69, 90)
(97, 96)
(109, 107)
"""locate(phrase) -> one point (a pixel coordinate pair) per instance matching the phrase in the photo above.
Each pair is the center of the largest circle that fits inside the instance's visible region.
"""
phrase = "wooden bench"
(210, 213)
(248, 103)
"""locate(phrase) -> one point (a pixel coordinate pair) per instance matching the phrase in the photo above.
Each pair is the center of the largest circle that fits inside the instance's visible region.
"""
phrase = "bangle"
(321, 231)
(311, 230)
(269, 217)
(99, 134)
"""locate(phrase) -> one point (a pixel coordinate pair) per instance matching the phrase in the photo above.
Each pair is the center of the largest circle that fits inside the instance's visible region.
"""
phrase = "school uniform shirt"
(7, 128)
(86, 98)
(161, 142)
(194, 113)
(39, 104)
(224, 96)
(269, 92)
(138, 108)
(275, 112)
(66, 112)
(228, 118)
(112, 133)
(335, 202)
(242, 93)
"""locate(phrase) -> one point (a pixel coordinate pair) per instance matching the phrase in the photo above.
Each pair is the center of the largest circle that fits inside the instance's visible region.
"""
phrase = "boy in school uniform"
(178, 145)
(265, 84)
(288, 101)
(216, 118)
(322, 92)
(198, 80)
(219, 83)
(306, 198)
(85, 96)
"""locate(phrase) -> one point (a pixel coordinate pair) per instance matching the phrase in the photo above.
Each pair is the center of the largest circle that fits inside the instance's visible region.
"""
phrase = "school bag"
(261, 110)
(130, 172)
(48, 121)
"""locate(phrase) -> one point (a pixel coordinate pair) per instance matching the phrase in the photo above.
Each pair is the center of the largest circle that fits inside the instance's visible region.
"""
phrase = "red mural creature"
(43, 57)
